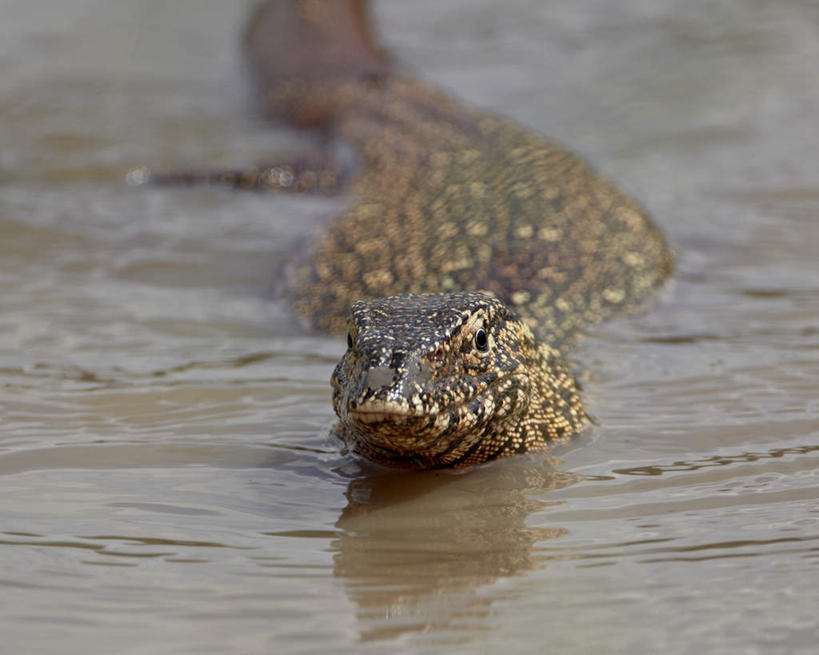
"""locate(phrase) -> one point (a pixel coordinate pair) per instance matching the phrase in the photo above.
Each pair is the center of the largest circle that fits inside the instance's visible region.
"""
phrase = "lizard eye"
(481, 340)
(350, 340)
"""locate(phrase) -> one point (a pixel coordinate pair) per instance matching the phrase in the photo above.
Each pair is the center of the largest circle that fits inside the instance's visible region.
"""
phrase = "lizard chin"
(397, 436)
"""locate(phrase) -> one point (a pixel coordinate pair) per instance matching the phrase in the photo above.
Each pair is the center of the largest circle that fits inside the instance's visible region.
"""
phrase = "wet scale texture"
(447, 199)
(449, 380)
(451, 199)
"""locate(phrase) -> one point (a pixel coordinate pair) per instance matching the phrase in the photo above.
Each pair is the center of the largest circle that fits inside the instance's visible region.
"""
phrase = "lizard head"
(448, 380)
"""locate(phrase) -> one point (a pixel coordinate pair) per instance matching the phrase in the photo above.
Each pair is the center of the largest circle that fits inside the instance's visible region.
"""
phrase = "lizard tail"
(298, 50)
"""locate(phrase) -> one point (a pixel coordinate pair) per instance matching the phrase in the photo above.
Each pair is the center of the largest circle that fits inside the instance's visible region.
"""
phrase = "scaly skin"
(444, 199)
(450, 199)
(449, 380)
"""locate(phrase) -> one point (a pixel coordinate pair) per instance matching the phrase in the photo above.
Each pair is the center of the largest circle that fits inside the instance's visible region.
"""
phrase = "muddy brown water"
(167, 484)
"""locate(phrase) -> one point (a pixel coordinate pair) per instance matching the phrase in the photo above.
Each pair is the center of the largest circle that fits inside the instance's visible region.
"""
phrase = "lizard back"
(445, 197)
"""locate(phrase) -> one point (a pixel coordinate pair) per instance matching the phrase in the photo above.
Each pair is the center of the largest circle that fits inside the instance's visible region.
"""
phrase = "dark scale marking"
(515, 396)
(446, 200)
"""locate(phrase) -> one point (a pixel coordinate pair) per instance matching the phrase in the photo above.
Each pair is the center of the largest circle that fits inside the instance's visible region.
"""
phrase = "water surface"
(166, 479)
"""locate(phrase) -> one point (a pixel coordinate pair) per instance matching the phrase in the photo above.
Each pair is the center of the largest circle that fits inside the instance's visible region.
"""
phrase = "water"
(166, 479)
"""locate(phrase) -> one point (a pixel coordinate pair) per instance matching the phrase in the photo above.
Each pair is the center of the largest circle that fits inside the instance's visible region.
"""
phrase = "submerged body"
(445, 199)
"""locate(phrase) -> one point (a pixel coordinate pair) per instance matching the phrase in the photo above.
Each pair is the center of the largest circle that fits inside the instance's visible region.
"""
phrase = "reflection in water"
(415, 545)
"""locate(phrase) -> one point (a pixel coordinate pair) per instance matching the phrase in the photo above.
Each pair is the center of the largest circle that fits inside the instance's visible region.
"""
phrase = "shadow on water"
(415, 546)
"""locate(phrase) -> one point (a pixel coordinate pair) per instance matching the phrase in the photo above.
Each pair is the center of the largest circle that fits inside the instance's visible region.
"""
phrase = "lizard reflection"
(415, 546)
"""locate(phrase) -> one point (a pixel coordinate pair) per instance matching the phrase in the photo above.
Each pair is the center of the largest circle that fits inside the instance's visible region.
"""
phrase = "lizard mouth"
(381, 412)
(391, 423)
(404, 427)
(407, 436)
